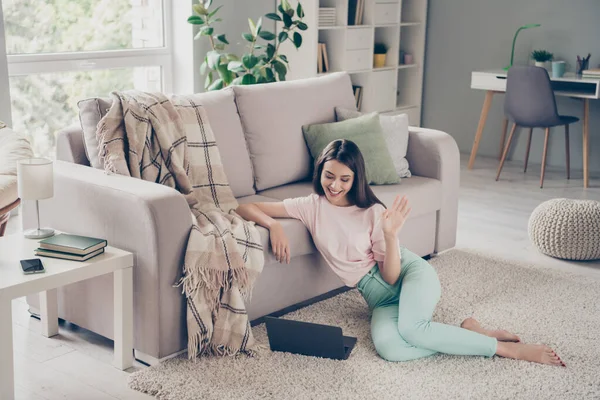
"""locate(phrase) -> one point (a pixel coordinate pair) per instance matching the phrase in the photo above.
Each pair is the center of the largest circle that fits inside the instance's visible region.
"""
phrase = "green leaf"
(248, 37)
(236, 66)
(281, 69)
(286, 5)
(248, 79)
(258, 47)
(262, 79)
(249, 61)
(267, 35)
(273, 16)
(209, 79)
(219, 46)
(283, 36)
(222, 39)
(283, 58)
(216, 85)
(237, 81)
(214, 12)
(203, 67)
(252, 26)
(200, 9)
(232, 57)
(270, 51)
(281, 10)
(287, 20)
(225, 74)
(207, 30)
(297, 39)
(195, 20)
(270, 75)
(207, 3)
(300, 11)
(302, 26)
(290, 12)
(259, 26)
(213, 58)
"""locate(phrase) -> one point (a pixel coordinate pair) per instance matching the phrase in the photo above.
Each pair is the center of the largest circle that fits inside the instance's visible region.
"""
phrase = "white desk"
(14, 284)
(570, 85)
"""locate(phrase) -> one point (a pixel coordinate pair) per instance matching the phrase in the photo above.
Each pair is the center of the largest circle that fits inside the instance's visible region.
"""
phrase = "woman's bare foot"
(538, 353)
(505, 336)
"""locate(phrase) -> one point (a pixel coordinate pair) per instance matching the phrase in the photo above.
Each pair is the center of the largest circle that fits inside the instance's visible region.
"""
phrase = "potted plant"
(379, 56)
(223, 68)
(541, 58)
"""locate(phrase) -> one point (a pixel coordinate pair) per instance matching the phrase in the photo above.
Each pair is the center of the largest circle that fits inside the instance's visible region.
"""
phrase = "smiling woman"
(62, 51)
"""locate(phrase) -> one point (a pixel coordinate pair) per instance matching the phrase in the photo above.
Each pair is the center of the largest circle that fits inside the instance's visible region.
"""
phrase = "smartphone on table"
(32, 266)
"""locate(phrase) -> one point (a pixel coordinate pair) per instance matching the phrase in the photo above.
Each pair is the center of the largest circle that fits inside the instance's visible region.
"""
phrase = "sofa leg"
(150, 361)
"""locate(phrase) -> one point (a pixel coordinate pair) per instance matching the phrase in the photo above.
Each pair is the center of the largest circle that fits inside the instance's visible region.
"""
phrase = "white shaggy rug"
(538, 304)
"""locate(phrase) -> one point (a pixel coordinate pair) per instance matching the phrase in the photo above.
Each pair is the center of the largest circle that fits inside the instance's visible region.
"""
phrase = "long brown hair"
(348, 153)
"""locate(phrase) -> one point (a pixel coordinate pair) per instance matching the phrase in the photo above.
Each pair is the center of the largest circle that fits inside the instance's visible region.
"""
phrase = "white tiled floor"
(492, 217)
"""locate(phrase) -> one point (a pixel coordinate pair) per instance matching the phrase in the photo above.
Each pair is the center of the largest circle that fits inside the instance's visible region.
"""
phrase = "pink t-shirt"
(349, 238)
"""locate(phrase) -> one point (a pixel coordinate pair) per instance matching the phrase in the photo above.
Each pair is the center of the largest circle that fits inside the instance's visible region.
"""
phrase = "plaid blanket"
(169, 141)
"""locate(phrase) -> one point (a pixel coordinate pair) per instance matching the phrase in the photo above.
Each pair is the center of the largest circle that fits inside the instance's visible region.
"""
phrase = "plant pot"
(542, 64)
(379, 60)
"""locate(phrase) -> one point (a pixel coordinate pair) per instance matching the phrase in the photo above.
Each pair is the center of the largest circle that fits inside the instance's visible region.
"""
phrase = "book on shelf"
(357, 96)
(591, 72)
(67, 256)
(73, 244)
(356, 10)
(322, 59)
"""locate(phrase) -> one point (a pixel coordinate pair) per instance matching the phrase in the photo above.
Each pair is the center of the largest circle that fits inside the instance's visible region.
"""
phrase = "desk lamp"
(512, 53)
(35, 181)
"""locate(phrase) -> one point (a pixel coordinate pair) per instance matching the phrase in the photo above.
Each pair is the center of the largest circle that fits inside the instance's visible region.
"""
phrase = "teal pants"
(401, 326)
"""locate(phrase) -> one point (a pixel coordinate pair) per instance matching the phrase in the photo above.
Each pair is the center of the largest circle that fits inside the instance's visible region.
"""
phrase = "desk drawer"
(488, 81)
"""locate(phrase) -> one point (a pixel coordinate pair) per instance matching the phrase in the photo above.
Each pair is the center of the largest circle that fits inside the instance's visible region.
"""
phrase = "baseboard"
(150, 361)
(303, 304)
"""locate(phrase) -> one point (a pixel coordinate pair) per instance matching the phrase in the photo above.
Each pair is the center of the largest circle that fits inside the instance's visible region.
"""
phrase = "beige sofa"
(258, 132)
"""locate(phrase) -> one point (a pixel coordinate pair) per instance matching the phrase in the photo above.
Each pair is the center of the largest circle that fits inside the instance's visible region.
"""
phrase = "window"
(62, 51)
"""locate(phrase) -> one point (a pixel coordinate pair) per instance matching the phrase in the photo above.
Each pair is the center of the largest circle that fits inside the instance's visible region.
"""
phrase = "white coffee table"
(15, 284)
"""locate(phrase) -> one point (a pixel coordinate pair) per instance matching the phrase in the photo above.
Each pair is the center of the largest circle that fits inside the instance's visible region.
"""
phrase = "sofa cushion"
(395, 132)
(366, 132)
(13, 147)
(273, 115)
(224, 121)
(91, 112)
(424, 194)
(301, 242)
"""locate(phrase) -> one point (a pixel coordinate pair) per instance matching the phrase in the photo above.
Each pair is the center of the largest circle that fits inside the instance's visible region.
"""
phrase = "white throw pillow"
(395, 131)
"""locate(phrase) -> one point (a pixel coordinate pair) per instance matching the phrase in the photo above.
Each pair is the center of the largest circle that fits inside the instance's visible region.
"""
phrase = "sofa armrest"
(150, 220)
(434, 154)
(70, 146)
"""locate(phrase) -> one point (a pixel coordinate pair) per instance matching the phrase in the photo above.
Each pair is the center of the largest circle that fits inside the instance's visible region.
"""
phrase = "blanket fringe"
(198, 346)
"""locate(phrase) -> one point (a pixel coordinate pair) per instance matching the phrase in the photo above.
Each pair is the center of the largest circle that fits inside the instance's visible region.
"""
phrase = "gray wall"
(235, 14)
(4, 88)
(467, 35)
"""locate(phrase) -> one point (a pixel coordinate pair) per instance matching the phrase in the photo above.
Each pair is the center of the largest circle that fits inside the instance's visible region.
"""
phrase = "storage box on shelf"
(400, 25)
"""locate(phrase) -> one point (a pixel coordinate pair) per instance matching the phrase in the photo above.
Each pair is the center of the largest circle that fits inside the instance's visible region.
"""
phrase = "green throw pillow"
(366, 132)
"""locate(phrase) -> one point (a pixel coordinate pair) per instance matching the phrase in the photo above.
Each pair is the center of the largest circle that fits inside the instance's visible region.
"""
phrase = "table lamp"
(35, 181)
(512, 53)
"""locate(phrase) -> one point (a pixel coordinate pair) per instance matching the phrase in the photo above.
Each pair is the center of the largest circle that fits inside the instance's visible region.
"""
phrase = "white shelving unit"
(399, 24)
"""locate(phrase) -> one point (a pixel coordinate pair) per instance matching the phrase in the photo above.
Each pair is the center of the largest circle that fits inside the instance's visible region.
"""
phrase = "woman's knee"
(412, 331)
(389, 350)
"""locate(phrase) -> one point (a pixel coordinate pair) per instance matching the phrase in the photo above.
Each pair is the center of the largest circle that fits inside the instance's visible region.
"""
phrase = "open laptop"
(308, 339)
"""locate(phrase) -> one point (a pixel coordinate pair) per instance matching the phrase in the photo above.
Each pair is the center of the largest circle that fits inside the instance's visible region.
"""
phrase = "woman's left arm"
(392, 221)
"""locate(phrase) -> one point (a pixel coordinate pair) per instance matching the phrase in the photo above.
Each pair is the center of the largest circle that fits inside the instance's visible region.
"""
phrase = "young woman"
(357, 236)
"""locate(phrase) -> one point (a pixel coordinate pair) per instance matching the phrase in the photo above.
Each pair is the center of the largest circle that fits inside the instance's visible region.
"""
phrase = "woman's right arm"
(263, 214)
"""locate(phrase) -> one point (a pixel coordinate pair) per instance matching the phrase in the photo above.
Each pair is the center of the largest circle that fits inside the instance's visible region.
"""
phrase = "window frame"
(41, 63)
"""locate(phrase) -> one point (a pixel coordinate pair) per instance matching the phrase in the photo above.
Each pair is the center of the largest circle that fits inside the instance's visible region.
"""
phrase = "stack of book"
(71, 247)
(326, 16)
(356, 10)
(358, 96)
(322, 59)
(591, 73)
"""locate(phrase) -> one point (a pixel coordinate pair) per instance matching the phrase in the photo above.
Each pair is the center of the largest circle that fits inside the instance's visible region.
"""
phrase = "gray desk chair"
(530, 103)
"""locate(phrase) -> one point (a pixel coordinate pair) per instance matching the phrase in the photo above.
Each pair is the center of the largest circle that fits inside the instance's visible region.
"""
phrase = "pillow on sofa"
(395, 132)
(366, 132)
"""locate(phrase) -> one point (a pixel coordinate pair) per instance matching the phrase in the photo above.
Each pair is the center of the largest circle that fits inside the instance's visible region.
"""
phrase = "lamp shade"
(35, 179)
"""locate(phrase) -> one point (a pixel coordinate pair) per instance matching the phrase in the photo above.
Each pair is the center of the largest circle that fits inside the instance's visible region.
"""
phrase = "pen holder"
(582, 65)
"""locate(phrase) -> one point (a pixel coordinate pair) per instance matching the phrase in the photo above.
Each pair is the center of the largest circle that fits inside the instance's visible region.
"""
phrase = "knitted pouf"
(567, 229)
